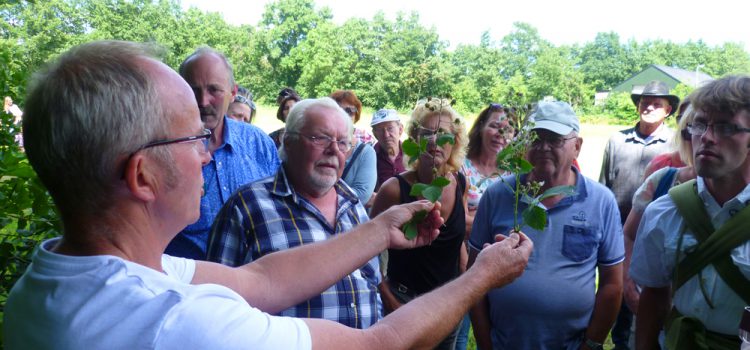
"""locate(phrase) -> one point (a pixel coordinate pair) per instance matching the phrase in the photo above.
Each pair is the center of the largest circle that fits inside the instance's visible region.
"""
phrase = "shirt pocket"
(579, 243)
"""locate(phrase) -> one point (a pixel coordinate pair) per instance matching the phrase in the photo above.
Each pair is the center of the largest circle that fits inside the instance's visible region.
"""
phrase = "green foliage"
(27, 214)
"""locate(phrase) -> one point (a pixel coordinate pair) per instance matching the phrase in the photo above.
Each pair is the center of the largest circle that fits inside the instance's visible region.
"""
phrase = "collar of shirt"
(663, 134)
(717, 213)
(230, 138)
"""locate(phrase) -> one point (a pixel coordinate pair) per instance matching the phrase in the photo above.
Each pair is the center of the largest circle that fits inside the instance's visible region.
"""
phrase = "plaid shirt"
(268, 216)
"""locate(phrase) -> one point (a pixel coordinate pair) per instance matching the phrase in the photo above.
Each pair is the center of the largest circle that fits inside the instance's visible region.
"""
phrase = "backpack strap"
(665, 183)
(713, 247)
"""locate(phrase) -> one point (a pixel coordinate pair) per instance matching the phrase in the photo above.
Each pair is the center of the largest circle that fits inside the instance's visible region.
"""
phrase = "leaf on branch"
(432, 193)
(410, 148)
(410, 228)
(557, 190)
(417, 189)
(446, 138)
(535, 217)
(440, 182)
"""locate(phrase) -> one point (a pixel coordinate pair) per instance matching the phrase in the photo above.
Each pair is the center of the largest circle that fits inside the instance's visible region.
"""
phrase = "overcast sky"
(561, 22)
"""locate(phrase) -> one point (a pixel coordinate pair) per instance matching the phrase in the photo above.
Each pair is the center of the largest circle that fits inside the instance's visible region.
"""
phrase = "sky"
(560, 22)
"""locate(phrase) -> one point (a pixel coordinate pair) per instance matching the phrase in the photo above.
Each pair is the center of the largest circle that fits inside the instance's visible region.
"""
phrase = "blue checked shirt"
(246, 155)
(268, 216)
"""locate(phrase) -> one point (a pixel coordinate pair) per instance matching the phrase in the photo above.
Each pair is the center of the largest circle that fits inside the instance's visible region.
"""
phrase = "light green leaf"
(423, 145)
(410, 229)
(524, 166)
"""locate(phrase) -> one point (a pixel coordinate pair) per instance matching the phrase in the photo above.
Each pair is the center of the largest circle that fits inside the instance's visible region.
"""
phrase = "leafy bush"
(27, 213)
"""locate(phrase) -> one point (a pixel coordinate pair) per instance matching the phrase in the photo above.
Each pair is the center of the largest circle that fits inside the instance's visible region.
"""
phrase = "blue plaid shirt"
(268, 216)
(246, 155)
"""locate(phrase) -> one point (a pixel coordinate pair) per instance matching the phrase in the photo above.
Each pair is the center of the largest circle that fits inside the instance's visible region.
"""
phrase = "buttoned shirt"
(625, 159)
(269, 216)
(655, 255)
(386, 167)
(247, 154)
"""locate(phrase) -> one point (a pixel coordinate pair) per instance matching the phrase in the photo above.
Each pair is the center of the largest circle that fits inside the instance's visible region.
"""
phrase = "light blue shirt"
(362, 174)
(654, 256)
(246, 155)
(550, 305)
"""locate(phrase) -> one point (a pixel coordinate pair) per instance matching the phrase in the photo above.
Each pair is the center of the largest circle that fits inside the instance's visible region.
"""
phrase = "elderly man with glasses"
(555, 304)
(136, 182)
(305, 202)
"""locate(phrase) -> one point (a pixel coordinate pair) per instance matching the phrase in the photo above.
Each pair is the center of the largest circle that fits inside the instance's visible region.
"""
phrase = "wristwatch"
(594, 345)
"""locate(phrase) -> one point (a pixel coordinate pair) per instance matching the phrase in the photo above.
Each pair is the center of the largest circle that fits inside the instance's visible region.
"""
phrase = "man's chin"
(210, 122)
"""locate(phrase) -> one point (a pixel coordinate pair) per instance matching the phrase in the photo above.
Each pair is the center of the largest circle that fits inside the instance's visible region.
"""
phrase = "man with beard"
(304, 202)
(626, 156)
(693, 245)
(240, 153)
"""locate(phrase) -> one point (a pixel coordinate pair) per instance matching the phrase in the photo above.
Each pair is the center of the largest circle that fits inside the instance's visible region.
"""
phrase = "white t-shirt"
(105, 302)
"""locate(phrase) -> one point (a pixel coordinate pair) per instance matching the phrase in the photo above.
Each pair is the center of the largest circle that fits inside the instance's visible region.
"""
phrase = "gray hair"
(202, 51)
(87, 112)
(296, 119)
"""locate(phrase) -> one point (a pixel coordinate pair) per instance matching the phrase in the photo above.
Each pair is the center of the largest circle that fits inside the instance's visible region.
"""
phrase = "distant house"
(669, 75)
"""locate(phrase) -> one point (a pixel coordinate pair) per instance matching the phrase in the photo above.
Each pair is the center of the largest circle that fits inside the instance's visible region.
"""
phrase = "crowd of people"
(187, 226)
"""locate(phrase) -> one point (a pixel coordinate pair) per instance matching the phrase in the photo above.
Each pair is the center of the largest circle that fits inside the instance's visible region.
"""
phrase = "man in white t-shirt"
(132, 181)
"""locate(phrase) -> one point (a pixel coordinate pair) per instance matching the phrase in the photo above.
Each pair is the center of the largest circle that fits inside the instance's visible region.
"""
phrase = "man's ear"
(138, 178)
(579, 143)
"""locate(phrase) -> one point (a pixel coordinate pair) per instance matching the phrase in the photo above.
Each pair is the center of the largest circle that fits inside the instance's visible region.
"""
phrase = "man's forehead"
(207, 66)
(653, 99)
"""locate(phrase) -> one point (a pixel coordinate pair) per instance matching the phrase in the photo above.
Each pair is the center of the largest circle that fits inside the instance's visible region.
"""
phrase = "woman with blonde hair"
(411, 273)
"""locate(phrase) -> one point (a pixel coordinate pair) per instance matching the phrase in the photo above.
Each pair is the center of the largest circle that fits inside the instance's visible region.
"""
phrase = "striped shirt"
(268, 216)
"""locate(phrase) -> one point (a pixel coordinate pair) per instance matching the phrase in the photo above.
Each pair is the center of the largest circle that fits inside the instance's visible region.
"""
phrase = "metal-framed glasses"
(325, 142)
(553, 142)
(697, 128)
(202, 138)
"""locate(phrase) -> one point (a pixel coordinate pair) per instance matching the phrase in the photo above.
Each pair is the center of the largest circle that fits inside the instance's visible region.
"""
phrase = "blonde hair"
(440, 106)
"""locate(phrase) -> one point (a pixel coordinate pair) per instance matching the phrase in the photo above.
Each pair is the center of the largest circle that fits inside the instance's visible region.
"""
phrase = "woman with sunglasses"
(285, 105)
(418, 271)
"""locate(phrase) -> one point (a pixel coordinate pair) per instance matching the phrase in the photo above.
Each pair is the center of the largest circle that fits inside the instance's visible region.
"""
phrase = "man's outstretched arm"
(286, 278)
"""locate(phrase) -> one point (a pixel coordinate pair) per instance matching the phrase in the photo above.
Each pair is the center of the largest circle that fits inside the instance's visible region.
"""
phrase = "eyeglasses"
(243, 99)
(719, 129)
(391, 129)
(325, 142)
(553, 142)
(205, 134)
(351, 111)
(685, 135)
(424, 133)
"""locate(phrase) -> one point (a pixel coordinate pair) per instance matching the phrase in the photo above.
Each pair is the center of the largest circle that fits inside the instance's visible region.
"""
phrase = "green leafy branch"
(512, 159)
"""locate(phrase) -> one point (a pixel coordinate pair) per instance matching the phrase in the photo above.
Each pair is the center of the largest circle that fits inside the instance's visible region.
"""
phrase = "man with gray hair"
(240, 153)
(583, 235)
(305, 202)
(132, 181)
